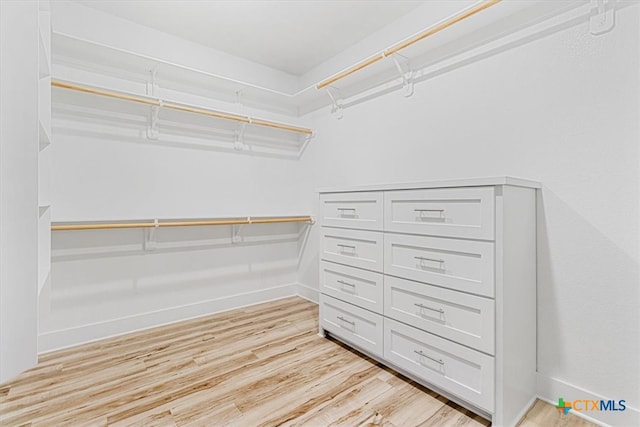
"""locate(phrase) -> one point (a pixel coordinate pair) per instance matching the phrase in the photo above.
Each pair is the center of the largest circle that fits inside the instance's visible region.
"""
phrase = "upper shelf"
(76, 52)
(180, 107)
(482, 26)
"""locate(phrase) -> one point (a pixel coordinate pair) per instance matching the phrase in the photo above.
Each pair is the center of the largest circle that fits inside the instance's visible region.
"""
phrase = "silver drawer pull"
(421, 258)
(353, 248)
(342, 282)
(347, 321)
(420, 212)
(347, 210)
(439, 310)
(419, 352)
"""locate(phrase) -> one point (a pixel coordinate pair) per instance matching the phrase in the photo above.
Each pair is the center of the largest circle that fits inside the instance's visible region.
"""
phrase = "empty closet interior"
(461, 178)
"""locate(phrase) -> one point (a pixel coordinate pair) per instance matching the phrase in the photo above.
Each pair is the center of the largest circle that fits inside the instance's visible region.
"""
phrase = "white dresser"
(438, 281)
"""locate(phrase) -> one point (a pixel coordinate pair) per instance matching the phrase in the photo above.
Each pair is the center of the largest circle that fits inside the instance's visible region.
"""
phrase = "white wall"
(79, 21)
(400, 29)
(18, 186)
(561, 107)
(105, 283)
(104, 168)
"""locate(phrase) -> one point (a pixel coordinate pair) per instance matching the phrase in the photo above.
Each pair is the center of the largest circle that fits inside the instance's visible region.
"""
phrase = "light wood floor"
(262, 365)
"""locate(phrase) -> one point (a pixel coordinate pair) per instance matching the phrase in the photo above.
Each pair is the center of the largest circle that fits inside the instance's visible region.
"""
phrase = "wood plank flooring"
(262, 365)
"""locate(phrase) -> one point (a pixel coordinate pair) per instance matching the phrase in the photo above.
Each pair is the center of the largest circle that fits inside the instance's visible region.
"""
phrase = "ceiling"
(291, 36)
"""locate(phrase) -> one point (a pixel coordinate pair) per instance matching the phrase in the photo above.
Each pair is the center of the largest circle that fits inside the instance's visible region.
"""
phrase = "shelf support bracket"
(152, 90)
(305, 142)
(152, 85)
(235, 232)
(405, 75)
(602, 18)
(239, 101)
(336, 103)
(149, 242)
(153, 131)
(238, 137)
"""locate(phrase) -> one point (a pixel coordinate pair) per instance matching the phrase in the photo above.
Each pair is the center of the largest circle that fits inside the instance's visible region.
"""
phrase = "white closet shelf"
(180, 106)
(467, 35)
(83, 53)
(487, 22)
(44, 136)
(75, 51)
(44, 245)
(104, 225)
(442, 25)
(43, 61)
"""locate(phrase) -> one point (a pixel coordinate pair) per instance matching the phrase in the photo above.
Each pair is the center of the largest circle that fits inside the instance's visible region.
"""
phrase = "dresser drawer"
(356, 248)
(466, 319)
(352, 210)
(452, 212)
(462, 265)
(354, 324)
(462, 371)
(354, 285)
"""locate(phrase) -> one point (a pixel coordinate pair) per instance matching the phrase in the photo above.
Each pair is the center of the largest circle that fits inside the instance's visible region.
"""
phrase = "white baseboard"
(526, 408)
(64, 338)
(550, 389)
(308, 293)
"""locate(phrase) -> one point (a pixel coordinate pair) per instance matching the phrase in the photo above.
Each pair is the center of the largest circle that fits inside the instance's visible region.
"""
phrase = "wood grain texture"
(262, 365)
(408, 42)
(170, 223)
(542, 414)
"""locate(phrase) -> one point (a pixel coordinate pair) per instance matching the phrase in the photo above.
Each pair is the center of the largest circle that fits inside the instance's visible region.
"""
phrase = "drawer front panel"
(356, 248)
(452, 212)
(351, 323)
(464, 318)
(457, 264)
(352, 210)
(462, 371)
(356, 286)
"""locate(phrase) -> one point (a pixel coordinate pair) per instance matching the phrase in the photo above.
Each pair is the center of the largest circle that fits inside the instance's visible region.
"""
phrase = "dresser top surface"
(446, 183)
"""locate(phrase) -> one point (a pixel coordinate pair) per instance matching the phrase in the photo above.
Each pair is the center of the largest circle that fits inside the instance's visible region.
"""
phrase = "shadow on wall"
(516, 31)
(91, 116)
(97, 267)
(606, 278)
(86, 244)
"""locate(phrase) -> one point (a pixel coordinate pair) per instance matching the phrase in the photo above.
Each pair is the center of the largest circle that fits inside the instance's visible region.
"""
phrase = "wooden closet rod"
(408, 42)
(186, 223)
(174, 106)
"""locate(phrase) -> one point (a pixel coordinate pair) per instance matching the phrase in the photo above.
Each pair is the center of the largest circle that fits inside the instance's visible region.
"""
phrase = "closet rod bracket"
(153, 131)
(404, 69)
(238, 137)
(149, 242)
(304, 143)
(336, 102)
(602, 16)
(235, 231)
(152, 90)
